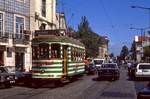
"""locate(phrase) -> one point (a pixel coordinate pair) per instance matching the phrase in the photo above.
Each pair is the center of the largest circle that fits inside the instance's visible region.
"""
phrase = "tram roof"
(54, 38)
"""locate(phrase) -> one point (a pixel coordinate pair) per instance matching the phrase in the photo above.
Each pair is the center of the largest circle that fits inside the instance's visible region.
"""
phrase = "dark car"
(90, 69)
(23, 77)
(6, 78)
(109, 70)
(144, 93)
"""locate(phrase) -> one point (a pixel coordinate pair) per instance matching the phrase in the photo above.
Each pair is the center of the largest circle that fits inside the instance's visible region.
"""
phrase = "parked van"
(142, 70)
(98, 62)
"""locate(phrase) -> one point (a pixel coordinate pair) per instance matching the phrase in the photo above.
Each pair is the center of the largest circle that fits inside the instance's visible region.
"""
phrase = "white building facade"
(42, 14)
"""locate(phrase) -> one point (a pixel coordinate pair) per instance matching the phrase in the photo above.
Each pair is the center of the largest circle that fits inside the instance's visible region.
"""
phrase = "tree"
(133, 51)
(124, 52)
(88, 38)
(111, 55)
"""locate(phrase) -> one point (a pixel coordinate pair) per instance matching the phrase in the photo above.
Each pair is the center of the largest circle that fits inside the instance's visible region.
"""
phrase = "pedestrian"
(129, 66)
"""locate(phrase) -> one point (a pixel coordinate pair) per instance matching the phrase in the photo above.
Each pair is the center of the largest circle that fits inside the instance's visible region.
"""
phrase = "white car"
(142, 70)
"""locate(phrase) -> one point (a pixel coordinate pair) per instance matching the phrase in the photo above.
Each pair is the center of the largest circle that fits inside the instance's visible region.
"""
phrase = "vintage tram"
(55, 57)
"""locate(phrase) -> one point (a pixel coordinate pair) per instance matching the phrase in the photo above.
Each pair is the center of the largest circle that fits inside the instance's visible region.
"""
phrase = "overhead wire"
(106, 14)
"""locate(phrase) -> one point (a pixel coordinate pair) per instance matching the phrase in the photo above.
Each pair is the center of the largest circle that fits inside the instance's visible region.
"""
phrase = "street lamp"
(145, 9)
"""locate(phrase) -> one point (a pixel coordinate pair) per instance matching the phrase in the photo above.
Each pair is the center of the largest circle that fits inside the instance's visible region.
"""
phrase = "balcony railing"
(4, 37)
(21, 39)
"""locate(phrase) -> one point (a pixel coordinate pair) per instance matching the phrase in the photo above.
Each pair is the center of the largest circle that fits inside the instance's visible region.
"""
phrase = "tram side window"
(72, 54)
(55, 51)
(44, 51)
(34, 52)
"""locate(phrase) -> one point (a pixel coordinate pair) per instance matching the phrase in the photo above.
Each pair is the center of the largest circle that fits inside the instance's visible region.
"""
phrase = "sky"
(112, 18)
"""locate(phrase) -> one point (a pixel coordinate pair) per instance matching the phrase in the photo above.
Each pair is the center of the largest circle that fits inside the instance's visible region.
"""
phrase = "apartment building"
(42, 14)
(103, 49)
(15, 48)
(140, 43)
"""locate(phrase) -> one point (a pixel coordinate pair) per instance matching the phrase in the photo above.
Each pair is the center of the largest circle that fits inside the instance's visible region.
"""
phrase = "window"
(144, 66)
(43, 8)
(109, 66)
(55, 51)
(19, 27)
(21, 1)
(1, 23)
(44, 51)
(35, 52)
(43, 26)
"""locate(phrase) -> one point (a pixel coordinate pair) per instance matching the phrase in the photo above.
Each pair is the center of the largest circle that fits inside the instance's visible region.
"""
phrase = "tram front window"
(55, 51)
(44, 51)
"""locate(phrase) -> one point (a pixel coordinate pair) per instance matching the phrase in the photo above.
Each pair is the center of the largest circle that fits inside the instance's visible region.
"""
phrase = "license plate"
(12, 82)
(144, 71)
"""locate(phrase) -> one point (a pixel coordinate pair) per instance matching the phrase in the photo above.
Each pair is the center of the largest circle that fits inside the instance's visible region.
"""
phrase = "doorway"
(1, 58)
(19, 61)
(65, 60)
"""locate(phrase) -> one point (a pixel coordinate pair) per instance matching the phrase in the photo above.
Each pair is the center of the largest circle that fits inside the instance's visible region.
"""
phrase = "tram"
(56, 58)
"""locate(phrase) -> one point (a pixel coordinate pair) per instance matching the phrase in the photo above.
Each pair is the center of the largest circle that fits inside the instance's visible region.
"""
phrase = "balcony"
(21, 39)
(4, 37)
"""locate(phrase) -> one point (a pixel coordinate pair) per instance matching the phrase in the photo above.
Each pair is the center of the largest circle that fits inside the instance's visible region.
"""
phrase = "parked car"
(6, 78)
(142, 70)
(23, 77)
(109, 70)
(90, 69)
(144, 93)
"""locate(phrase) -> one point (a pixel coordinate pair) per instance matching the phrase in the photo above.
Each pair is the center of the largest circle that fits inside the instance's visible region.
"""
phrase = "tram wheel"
(34, 85)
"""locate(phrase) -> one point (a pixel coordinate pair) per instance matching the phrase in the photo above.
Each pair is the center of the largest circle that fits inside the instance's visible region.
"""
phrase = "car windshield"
(109, 66)
(98, 61)
(144, 66)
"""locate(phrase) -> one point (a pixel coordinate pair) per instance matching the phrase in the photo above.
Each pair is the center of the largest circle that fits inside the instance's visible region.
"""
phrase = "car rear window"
(109, 66)
(98, 61)
(144, 66)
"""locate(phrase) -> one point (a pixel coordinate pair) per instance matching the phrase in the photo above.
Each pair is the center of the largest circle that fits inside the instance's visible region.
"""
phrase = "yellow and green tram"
(57, 57)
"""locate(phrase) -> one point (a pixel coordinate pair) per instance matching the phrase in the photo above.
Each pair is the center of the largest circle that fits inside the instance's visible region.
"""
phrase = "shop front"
(20, 59)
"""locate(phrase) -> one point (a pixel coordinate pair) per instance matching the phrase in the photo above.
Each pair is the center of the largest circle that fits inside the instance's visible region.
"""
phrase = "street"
(86, 87)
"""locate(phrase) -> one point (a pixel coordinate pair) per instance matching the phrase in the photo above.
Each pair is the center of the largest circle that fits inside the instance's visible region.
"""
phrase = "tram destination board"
(46, 32)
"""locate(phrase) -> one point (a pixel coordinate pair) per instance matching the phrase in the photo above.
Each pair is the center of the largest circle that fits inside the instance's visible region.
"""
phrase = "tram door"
(65, 58)
(19, 61)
